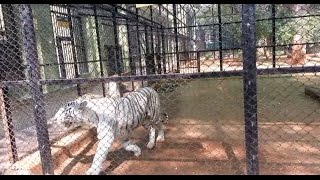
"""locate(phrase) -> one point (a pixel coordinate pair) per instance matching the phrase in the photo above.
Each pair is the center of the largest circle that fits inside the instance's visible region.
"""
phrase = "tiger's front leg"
(160, 127)
(160, 137)
(101, 153)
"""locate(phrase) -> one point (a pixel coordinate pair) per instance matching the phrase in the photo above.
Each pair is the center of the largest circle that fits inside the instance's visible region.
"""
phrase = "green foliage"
(286, 28)
(312, 29)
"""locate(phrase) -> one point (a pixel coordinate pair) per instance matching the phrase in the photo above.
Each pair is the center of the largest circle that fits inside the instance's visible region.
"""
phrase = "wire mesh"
(236, 89)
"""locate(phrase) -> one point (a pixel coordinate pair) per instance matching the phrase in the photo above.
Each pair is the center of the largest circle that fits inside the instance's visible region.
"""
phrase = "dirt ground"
(209, 64)
(206, 132)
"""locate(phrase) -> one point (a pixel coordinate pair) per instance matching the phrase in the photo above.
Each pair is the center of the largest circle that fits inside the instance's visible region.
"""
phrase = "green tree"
(286, 29)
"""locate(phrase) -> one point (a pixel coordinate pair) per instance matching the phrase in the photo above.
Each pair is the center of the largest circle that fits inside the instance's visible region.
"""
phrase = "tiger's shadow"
(116, 157)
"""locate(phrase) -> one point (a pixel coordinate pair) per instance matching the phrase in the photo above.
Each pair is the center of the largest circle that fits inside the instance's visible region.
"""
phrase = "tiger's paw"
(92, 171)
(150, 145)
(160, 139)
(137, 153)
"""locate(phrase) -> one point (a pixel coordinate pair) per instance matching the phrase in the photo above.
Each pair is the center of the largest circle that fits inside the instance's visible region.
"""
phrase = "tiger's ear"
(83, 104)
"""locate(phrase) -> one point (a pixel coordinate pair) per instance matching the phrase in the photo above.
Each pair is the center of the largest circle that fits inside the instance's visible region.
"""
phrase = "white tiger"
(116, 118)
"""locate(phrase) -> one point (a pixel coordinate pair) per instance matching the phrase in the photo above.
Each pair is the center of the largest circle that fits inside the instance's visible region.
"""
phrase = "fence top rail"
(216, 74)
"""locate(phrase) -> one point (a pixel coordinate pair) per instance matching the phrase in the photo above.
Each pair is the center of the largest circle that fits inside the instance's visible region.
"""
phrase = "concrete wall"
(45, 41)
(46, 47)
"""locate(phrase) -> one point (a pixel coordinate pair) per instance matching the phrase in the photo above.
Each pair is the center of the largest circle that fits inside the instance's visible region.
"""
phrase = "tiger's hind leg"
(152, 138)
(129, 146)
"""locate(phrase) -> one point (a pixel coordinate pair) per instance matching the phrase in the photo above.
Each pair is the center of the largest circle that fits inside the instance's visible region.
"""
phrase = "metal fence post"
(220, 37)
(158, 52)
(138, 42)
(74, 56)
(30, 52)
(250, 87)
(198, 61)
(163, 51)
(132, 41)
(174, 7)
(149, 66)
(153, 70)
(117, 61)
(99, 48)
(273, 7)
(6, 116)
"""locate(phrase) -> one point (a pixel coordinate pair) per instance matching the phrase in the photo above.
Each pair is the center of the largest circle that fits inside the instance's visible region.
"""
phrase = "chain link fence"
(238, 85)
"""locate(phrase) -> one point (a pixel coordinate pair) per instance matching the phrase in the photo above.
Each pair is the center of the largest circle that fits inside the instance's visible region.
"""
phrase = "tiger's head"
(164, 118)
(70, 114)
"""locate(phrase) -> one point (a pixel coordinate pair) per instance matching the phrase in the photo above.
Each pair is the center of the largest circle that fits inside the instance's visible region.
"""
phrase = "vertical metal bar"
(198, 61)
(132, 52)
(116, 40)
(163, 51)
(138, 36)
(118, 53)
(30, 52)
(99, 48)
(220, 37)
(273, 9)
(213, 30)
(169, 45)
(146, 39)
(84, 53)
(176, 35)
(153, 70)
(151, 30)
(147, 55)
(75, 63)
(139, 44)
(61, 58)
(132, 43)
(163, 57)
(158, 56)
(250, 87)
(6, 117)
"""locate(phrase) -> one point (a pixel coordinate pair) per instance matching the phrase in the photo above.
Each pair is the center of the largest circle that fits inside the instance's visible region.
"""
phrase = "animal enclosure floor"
(210, 64)
(186, 154)
(205, 134)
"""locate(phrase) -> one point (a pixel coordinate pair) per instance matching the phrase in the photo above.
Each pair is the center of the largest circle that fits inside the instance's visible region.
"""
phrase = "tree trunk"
(298, 55)
(201, 40)
(266, 52)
